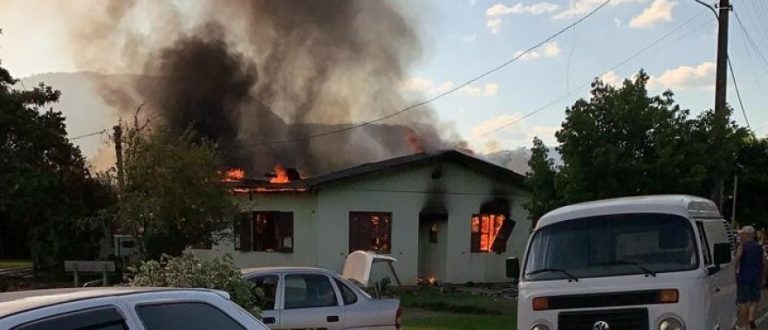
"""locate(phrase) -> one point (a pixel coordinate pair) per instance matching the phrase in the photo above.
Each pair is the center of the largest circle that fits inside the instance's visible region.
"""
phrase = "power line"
(738, 94)
(88, 135)
(751, 41)
(441, 95)
(566, 95)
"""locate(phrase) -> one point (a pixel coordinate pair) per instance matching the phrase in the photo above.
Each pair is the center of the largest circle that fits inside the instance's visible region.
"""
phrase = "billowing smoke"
(259, 77)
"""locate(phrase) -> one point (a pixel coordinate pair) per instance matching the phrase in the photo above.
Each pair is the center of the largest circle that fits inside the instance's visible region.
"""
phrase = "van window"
(612, 245)
(704, 244)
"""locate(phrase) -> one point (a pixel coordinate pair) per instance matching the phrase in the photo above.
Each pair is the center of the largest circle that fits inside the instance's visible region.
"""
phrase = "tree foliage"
(173, 196)
(51, 208)
(187, 271)
(623, 142)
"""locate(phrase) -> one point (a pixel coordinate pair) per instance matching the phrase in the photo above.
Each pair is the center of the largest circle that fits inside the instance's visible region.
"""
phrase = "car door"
(724, 280)
(309, 300)
(269, 285)
(712, 298)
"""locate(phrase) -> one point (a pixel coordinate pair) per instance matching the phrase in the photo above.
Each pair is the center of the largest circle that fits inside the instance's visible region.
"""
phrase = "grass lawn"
(420, 320)
(428, 309)
(458, 302)
(12, 263)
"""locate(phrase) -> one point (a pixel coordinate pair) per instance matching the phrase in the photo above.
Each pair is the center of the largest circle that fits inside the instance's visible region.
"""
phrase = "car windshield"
(612, 245)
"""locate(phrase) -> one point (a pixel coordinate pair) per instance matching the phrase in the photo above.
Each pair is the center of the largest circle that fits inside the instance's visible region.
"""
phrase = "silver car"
(123, 309)
(298, 298)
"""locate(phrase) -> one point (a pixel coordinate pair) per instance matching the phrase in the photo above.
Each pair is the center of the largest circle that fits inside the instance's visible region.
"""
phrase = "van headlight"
(671, 323)
(539, 327)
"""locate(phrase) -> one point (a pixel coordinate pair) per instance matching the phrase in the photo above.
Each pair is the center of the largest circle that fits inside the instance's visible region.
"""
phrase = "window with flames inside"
(490, 233)
(370, 231)
(265, 232)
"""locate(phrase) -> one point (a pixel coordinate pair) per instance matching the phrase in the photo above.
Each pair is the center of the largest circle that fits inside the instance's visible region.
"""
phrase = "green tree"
(173, 195)
(751, 206)
(623, 142)
(51, 208)
(541, 180)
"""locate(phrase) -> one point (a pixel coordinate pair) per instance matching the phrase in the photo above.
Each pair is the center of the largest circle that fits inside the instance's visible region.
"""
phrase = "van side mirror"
(722, 253)
(513, 268)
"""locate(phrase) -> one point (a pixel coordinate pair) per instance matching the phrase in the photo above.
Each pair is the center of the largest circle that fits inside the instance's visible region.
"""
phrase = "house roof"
(497, 173)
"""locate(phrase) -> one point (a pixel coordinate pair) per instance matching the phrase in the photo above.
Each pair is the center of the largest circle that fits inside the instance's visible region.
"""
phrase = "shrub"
(187, 271)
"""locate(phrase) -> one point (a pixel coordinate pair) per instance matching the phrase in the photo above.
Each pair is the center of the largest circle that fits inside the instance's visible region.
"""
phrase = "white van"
(650, 263)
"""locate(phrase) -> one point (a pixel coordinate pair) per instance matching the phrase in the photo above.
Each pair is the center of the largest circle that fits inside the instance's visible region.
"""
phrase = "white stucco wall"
(303, 206)
(321, 221)
(403, 194)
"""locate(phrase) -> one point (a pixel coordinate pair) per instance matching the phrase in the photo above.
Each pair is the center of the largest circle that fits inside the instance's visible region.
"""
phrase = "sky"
(464, 38)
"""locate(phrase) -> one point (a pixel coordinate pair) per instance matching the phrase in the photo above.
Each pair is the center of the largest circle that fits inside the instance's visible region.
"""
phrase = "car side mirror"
(513, 268)
(722, 253)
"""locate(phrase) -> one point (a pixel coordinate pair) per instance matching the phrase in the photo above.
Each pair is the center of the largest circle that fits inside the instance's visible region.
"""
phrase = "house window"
(265, 232)
(370, 231)
(485, 231)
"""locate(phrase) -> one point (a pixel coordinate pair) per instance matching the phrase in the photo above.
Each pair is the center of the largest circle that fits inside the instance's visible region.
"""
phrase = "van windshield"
(611, 245)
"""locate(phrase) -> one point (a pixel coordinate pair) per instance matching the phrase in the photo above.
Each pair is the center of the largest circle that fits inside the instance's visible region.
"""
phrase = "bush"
(188, 271)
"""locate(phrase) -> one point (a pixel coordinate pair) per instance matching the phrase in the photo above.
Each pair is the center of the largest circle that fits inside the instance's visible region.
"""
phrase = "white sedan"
(123, 309)
(301, 297)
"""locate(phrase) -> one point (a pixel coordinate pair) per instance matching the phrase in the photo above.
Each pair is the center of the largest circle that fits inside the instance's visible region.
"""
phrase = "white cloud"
(611, 78)
(534, 9)
(495, 12)
(427, 86)
(700, 76)
(509, 130)
(443, 87)
(582, 7)
(478, 91)
(416, 85)
(550, 50)
(494, 24)
(658, 11)
(617, 22)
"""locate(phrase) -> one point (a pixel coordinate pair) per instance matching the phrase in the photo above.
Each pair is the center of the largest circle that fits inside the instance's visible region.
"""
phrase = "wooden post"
(104, 279)
(77, 280)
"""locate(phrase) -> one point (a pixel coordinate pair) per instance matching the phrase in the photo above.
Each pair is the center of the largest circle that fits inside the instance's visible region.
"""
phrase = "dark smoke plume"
(244, 72)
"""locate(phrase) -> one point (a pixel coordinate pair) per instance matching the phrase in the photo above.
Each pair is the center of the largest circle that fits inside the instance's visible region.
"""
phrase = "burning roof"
(297, 183)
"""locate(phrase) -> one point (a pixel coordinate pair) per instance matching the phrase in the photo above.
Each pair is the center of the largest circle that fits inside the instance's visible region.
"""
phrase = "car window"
(102, 318)
(308, 290)
(347, 295)
(187, 316)
(268, 285)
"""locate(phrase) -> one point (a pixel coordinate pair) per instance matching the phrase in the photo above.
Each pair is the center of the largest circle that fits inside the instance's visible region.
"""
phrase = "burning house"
(445, 216)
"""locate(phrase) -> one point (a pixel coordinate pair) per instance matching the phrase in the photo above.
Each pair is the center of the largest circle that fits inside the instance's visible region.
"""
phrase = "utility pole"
(721, 79)
(722, 60)
(118, 139)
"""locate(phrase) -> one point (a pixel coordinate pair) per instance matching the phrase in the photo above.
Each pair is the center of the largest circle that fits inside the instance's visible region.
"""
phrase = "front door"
(432, 246)
(310, 301)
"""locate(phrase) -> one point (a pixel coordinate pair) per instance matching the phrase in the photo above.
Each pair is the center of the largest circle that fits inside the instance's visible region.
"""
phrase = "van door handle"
(269, 320)
(332, 318)
(717, 289)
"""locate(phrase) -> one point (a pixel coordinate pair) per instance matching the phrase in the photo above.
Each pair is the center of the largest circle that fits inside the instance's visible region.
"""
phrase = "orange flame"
(281, 175)
(414, 141)
(234, 174)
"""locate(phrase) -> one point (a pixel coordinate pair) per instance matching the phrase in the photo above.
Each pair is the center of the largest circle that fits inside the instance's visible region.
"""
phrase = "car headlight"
(540, 327)
(671, 323)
